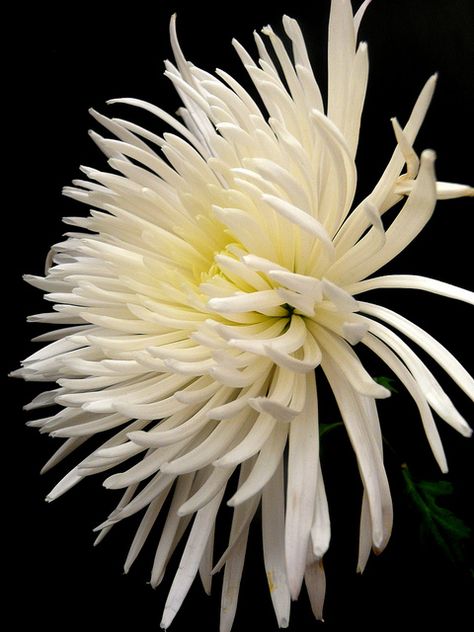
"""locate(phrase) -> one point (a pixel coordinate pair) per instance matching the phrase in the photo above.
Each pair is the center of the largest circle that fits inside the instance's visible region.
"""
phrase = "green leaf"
(438, 523)
(325, 428)
(388, 382)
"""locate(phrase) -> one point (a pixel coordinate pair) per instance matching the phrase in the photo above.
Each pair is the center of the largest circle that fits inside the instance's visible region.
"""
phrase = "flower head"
(220, 266)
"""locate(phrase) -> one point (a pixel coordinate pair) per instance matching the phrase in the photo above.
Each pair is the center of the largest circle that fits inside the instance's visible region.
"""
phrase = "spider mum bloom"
(219, 268)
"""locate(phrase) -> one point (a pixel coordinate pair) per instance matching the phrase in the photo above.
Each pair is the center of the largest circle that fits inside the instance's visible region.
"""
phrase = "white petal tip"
(110, 483)
(167, 620)
(380, 392)
(466, 431)
(429, 155)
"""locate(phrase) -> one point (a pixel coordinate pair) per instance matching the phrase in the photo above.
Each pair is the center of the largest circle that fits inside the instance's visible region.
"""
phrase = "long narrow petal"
(321, 529)
(243, 515)
(368, 456)
(315, 580)
(435, 395)
(265, 467)
(189, 565)
(273, 534)
(412, 282)
(231, 582)
(414, 215)
(145, 527)
(435, 349)
(301, 487)
(170, 528)
(416, 392)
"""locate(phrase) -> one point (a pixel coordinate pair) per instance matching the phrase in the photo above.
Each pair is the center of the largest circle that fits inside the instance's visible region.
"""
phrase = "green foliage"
(438, 523)
(387, 382)
(325, 428)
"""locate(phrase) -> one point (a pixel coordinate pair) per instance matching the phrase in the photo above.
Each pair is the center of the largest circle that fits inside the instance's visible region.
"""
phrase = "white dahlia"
(220, 266)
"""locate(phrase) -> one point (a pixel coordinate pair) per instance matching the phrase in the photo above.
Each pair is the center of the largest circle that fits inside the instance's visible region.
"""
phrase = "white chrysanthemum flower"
(221, 269)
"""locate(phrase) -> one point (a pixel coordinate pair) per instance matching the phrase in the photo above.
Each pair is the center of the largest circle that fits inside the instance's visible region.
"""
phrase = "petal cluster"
(218, 268)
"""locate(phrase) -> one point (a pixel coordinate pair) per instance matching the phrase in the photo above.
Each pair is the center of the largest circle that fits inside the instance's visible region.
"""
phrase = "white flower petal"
(212, 448)
(193, 552)
(436, 350)
(157, 484)
(433, 392)
(145, 527)
(128, 494)
(301, 487)
(368, 456)
(343, 301)
(321, 529)
(341, 49)
(409, 222)
(268, 460)
(315, 580)
(415, 391)
(171, 528)
(339, 177)
(251, 444)
(273, 535)
(61, 453)
(254, 301)
(208, 490)
(365, 534)
(301, 219)
(205, 567)
(231, 582)
(350, 365)
(242, 517)
(413, 282)
(311, 356)
(356, 223)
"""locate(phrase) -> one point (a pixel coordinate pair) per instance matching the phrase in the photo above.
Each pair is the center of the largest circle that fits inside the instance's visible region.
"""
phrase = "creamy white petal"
(315, 580)
(145, 527)
(321, 529)
(195, 546)
(356, 223)
(208, 490)
(433, 392)
(242, 516)
(233, 559)
(413, 282)
(231, 582)
(368, 456)
(365, 534)
(436, 350)
(273, 535)
(170, 528)
(409, 222)
(341, 48)
(268, 460)
(415, 391)
(251, 444)
(301, 487)
(347, 361)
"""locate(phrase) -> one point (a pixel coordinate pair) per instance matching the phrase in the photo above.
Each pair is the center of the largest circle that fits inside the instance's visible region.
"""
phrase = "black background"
(61, 60)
